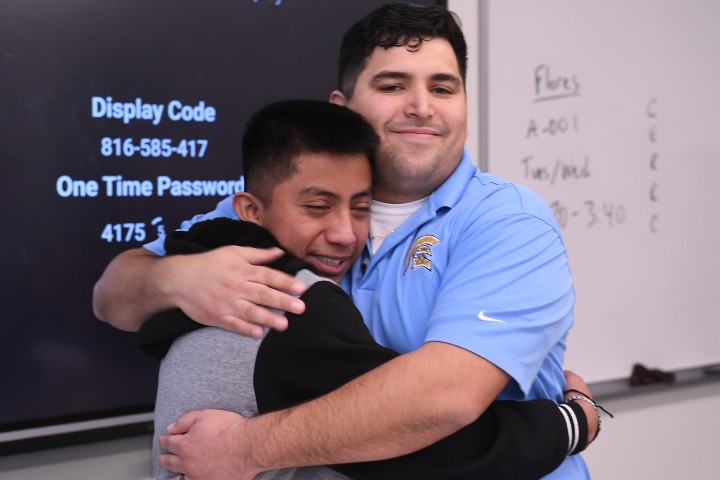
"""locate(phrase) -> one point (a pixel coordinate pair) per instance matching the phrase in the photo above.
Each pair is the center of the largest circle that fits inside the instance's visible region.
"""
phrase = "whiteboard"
(610, 110)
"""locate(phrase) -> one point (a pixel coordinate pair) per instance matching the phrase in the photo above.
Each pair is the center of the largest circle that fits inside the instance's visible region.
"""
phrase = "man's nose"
(341, 231)
(419, 103)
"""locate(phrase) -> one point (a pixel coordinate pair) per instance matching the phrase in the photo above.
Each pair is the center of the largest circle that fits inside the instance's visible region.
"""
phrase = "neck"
(397, 184)
(385, 194)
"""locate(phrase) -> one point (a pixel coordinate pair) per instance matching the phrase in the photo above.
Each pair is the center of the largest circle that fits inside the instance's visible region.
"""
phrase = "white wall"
(663, 436)
(667, 435)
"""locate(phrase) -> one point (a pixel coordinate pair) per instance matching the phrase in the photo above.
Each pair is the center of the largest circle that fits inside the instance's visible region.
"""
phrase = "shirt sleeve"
(507, 295)
(222, 209)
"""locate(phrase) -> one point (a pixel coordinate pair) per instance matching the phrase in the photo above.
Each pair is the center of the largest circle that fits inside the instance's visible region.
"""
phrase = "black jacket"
(329, 345)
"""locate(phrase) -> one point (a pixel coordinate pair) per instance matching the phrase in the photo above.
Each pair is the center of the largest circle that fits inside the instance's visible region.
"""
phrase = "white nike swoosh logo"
(482, 316)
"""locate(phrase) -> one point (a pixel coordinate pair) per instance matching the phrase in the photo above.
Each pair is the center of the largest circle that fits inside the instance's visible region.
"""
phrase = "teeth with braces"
(329, 261)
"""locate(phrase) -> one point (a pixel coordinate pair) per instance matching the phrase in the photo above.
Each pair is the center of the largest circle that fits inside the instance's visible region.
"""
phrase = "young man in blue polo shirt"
(471, 279)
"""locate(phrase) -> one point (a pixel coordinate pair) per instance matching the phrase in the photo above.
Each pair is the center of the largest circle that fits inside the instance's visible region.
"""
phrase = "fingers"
(263, 289)
(272, 288)
(169, 460)
(251, 314)
(229, 288)
(248, 329)
(270, 277)
(207, 447)
(172, 444)
(183, 424)
(267, 291)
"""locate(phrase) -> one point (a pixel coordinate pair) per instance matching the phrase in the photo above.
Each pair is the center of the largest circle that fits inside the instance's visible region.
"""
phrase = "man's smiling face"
(415, 100)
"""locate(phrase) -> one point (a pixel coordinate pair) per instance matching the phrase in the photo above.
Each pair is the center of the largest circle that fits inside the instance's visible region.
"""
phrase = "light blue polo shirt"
(222, 209)
(481, 266)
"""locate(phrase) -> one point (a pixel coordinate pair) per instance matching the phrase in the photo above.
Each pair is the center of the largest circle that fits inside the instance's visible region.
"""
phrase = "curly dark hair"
(397, 25)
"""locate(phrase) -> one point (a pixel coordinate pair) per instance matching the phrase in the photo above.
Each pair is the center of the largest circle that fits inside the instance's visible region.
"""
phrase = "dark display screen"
(118, 119)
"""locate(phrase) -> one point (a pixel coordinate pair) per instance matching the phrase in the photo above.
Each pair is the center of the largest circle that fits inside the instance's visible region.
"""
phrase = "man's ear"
(248, 207)
(338, 98)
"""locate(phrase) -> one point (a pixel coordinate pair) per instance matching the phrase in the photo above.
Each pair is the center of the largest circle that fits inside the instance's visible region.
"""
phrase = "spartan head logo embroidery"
(420, 254)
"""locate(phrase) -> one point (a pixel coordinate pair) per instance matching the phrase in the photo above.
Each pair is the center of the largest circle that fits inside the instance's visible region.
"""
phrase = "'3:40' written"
(590, 213)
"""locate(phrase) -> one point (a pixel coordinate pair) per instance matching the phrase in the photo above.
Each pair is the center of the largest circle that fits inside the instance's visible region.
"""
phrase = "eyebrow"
(316, 191)
(394, 75)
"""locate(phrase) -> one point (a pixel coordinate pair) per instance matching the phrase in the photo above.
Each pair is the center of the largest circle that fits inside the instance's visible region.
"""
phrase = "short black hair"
(279, 132)
(397, 25)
